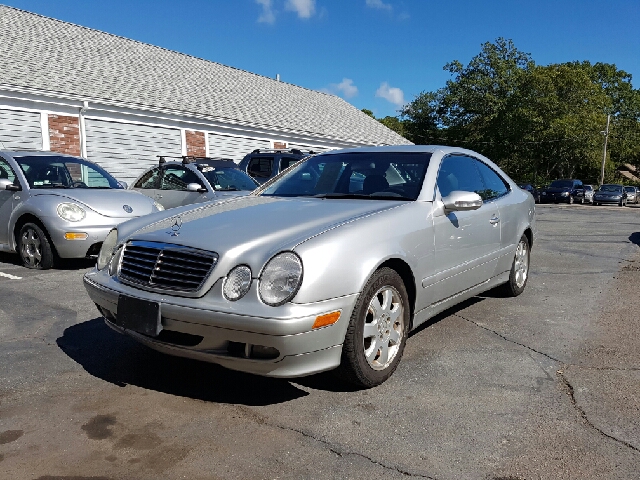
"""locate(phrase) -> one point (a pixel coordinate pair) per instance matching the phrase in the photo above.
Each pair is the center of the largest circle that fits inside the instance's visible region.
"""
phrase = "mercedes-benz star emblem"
(127, 208)
(177, 225)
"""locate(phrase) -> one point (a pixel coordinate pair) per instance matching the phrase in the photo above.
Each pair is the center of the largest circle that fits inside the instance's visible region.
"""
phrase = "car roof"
(22, 153)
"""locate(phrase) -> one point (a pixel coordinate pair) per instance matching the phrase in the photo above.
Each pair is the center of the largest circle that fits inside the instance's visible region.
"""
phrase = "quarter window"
(6, 171)
(260, 167)
(494, 185)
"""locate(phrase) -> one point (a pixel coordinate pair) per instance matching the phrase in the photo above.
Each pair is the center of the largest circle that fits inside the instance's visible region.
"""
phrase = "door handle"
(494, 220)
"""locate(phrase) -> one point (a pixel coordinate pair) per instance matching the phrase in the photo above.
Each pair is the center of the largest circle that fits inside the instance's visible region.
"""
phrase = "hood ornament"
(127, 208)
(175, 228)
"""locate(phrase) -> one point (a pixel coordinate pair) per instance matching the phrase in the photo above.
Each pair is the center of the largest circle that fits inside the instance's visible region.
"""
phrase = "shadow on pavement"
(121, 361)
(635, 238)
(65, 264)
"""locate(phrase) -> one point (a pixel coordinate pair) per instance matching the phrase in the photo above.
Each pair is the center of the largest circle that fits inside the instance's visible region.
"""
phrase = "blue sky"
(376, 54)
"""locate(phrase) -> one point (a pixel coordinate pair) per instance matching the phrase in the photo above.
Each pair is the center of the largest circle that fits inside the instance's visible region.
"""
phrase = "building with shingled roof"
(121, 103)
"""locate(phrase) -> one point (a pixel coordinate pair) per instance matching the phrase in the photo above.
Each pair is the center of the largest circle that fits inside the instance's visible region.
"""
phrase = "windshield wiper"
(228, 189)
(360, 196)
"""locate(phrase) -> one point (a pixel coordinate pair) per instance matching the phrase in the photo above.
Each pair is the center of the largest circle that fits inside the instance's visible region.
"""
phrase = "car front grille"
(165, 266)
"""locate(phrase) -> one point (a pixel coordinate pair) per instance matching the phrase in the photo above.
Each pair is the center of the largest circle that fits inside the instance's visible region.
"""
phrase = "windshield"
(374, 175)
(561, 184)
(630, 189)
(229, 179)
(51, 171)
(611, 188)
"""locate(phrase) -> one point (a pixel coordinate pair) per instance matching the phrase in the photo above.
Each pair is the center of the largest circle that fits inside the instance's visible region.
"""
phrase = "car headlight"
(108, 249)
(280, 279)
(71, 212)
(237, 283)
(565, 194)
(158, 206)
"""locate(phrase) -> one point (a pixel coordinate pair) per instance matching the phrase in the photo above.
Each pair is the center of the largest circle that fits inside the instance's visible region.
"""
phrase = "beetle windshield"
(51, 171)
(368, 175)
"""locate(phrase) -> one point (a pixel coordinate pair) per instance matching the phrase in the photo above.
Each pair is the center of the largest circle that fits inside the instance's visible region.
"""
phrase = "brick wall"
(195, 143)
(64, 134)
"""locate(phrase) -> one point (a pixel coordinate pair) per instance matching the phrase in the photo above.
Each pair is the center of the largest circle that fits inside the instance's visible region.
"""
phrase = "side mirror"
(123, 184)
(6, 184)
(458, 201)
(195, 187)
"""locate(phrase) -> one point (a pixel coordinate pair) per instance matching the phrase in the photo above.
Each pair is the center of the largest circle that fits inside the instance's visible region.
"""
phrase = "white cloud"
(304, 8)
(391, 94)
(267, 15)
(346, 88)
(379, 4)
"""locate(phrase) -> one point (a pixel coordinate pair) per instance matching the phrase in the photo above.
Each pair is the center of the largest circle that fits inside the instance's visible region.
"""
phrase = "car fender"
(360, 247)
(39, 206)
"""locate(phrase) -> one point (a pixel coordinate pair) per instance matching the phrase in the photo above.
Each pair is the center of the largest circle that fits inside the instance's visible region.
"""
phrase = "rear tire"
(377, 331)
(34, 247)
(519, 270)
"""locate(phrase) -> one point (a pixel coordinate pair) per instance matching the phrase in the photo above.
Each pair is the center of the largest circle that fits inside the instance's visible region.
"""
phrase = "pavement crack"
(571, 393)
(332, 448)
(508, 339)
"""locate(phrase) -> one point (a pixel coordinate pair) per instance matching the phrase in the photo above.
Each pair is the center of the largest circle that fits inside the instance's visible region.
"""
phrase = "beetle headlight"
(237, 283)
(71, 212)
(280, 279)
(108, 249)
(158, 206)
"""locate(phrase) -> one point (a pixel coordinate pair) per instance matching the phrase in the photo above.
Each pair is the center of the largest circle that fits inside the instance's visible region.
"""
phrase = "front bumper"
(229, 338)
(554, 198)
(96, 233)
(610, 200)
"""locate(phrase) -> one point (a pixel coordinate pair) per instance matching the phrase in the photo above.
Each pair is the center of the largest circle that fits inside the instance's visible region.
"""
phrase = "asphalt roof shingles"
(51, 55)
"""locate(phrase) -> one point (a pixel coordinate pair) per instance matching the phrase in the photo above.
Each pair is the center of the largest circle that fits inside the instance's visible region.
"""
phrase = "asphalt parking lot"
(543, 386)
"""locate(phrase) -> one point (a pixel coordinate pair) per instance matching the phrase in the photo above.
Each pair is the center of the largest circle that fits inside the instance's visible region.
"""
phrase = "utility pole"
(604, 153)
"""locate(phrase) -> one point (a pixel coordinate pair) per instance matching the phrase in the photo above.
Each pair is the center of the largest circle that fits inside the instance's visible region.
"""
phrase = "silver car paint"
(451, 256)
(176, 198)
(104, 210)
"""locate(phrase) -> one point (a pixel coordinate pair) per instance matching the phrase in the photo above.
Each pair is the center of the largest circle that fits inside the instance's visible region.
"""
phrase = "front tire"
(377, 332)
(519, 270)
(34, 247)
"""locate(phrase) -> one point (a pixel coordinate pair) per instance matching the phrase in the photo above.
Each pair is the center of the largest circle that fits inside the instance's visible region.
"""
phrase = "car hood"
(249, 223)
(107, 202)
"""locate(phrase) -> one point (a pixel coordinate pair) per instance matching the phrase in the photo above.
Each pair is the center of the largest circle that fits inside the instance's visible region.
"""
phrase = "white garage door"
(227, 146)
(20, 130)
(125, 150)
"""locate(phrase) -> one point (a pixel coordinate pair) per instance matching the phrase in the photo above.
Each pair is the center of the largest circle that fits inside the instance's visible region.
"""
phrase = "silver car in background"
(193, 180)
(329, 265)
(58, 206)
(632, 194)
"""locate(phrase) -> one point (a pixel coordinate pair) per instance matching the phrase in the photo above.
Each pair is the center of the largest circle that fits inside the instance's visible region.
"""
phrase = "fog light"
(75, 236)
(326, 319)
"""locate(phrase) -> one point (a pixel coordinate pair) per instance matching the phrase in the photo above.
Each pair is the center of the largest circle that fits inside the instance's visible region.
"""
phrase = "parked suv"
(564, 190)
(263, 164)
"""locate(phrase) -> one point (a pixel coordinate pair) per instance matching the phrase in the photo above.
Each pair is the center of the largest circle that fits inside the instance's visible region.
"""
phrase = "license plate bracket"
(142, 316)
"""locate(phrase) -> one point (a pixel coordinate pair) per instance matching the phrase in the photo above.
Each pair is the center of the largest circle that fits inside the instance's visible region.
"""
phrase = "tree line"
(536, 122)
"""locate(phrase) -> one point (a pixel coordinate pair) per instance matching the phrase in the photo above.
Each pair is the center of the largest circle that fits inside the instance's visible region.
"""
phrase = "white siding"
(227, 146)
(125, 149)
(20, 130)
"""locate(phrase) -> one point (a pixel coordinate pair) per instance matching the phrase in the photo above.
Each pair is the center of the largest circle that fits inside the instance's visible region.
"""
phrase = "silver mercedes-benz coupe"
(59, 206)
(329, 265)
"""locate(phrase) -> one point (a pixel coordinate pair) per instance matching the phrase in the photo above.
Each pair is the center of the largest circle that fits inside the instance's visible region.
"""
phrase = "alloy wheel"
(384, 328)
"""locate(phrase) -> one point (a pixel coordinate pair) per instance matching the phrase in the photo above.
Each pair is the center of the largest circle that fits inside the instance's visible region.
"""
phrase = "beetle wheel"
(34, 247)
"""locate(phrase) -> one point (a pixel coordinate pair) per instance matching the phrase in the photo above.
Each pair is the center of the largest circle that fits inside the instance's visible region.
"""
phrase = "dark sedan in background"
(565, 191)
(611, 194)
